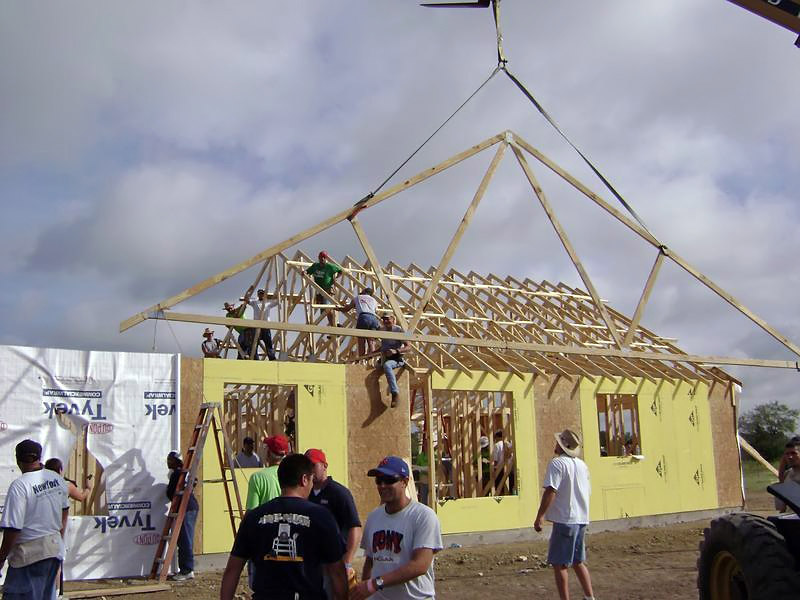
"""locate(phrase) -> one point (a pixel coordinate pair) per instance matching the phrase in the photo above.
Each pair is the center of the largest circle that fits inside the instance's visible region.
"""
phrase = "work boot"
(394, 399)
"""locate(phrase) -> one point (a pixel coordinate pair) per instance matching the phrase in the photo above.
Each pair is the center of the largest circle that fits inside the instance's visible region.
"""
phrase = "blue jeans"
(186, 541)
(389, 365)
(34, 582)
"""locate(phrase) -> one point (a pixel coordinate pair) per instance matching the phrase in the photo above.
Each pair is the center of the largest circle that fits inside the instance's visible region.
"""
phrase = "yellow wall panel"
(321, 423)
(512, 512)
(677, 471)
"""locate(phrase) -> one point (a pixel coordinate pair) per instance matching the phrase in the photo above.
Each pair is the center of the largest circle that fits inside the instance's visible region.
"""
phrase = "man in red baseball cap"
(337, 499)
(325, 272)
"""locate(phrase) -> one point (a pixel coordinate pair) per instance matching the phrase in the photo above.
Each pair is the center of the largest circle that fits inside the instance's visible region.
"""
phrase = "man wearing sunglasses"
(400, 538)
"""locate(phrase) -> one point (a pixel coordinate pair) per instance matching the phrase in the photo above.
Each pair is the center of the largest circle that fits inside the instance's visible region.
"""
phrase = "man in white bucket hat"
(565, 503)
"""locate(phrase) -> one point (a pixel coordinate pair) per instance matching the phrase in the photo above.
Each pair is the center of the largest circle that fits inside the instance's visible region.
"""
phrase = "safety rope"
(429, 138)
(555, 126)
(502, 65)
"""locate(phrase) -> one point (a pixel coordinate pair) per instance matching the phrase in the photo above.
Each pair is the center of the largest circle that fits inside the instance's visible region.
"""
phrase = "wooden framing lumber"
(648, 287)
(483, 343)
(376, 268)
(474, 322)
(647, 236)
(462, 227)
(755, 454)
(117, 591)
(567, 244)
(304, 235)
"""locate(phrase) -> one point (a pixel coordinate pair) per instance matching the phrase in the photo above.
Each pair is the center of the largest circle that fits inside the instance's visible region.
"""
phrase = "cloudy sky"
(145, 146)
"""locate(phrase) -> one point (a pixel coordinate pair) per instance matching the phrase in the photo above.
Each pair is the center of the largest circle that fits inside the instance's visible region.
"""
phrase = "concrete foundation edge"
(528, 534)
(216, 562)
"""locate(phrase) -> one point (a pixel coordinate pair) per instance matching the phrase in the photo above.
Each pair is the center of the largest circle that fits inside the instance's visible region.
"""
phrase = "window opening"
(474, 446)
(258, 411)
(618, 424)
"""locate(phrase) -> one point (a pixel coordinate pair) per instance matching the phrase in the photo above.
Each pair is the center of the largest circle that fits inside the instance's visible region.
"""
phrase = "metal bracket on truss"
(156, 314)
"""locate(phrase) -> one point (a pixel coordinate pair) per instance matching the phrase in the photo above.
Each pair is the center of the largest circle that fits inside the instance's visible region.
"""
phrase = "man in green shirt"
(263, 485)
(324, 272)
(237, 312)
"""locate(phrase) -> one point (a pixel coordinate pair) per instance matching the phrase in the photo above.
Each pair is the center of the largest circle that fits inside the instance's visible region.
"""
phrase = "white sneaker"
(182, 576)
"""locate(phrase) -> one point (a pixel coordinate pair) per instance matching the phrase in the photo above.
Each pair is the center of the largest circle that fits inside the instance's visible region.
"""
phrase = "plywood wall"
(191, 399)
(557, 407)
(374, 429)
(726, 449)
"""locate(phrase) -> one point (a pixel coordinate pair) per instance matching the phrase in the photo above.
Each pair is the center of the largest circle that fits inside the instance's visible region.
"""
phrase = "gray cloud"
(187, 138)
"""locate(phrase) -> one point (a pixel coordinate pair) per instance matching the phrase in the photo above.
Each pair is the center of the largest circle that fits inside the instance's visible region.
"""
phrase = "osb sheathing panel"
(374, 429)
(726, 450)
(191, 399)
(556, 402)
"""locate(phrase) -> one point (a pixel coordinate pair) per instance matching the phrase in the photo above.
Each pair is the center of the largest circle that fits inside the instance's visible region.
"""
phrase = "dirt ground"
(639, 564)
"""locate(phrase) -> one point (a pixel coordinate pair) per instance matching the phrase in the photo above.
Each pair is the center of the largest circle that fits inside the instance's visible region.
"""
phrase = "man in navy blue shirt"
(337, 499)
(290, 541)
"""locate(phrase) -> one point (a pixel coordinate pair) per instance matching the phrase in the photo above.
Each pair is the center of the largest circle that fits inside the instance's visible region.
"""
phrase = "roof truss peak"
(476, 322)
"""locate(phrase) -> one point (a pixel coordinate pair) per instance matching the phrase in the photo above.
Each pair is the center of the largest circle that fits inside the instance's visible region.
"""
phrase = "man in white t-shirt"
(366, 317)
(33, 523)
(400, 538)
(565, 503)
(261, 309)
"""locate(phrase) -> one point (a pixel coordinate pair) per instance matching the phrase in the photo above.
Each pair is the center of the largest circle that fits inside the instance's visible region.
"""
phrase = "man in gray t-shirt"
(398, 534)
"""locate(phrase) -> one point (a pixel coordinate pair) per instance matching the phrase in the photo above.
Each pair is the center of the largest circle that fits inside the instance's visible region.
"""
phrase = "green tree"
(767, 427)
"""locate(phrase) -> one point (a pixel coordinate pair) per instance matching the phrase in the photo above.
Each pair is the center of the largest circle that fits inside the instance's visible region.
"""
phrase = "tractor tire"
(743, 557)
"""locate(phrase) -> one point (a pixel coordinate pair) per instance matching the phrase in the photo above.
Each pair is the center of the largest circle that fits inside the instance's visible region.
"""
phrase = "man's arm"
(353, 540)
(547, 499)
(64, 517)
(9, 539)
(338, 577)
(349, 306)
(366, 572)
(230, 578)
(421, 559)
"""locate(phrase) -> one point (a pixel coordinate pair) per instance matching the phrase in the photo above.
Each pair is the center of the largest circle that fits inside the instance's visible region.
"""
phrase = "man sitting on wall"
(392, 356)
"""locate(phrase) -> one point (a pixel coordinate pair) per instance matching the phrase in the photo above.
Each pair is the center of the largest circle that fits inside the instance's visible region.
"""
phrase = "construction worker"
(247, 457)
(75, 493)
(186, 534)
(392, 352)
(366, 316)
(264, 485)
(290, 542)
(33, 523)
(337, 499)
(400, 538)
(325, 272)
(565, 503)
(237, 312)
(261, 308)
(211, 346)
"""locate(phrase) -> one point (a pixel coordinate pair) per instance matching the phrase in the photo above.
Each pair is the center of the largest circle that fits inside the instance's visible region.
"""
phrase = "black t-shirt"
(173, 483)
(288, 539)
(338, 499)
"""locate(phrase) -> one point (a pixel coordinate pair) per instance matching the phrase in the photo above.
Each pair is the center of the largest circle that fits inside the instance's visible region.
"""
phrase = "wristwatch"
(379, 583)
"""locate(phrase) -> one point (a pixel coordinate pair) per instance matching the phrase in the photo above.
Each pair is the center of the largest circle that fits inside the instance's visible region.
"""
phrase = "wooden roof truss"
(472, 321)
